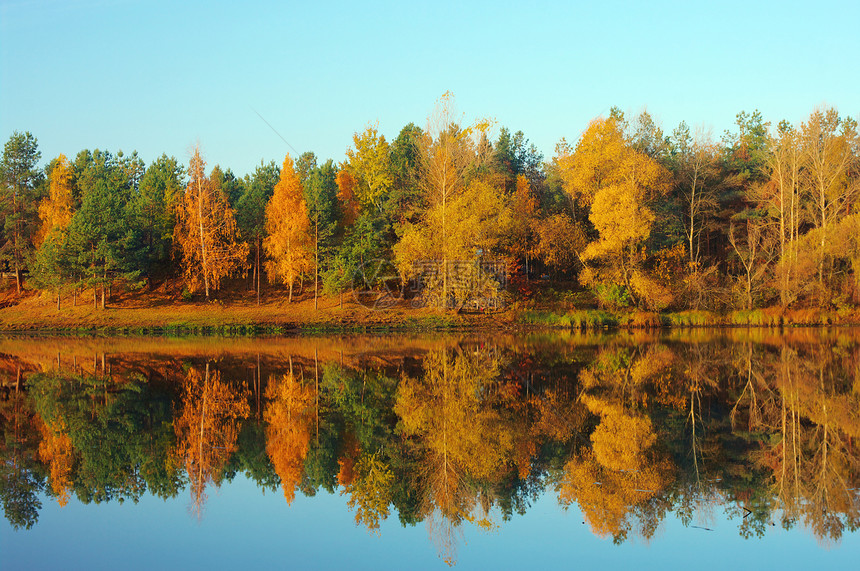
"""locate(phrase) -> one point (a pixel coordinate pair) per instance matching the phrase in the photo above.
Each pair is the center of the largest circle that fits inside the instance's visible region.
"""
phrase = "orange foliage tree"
(206, 232)
(288, 238)
(346, 184)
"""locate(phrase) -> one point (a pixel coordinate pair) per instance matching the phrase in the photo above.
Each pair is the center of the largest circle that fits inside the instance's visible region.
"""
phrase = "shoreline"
(243, 318)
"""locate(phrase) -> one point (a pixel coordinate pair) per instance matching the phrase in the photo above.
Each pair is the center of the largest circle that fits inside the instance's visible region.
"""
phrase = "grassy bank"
(239, 314)
(592, 319)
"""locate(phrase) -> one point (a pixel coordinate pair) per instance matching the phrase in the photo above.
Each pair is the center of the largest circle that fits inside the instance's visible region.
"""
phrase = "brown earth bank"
(235, 310)
(232, 309)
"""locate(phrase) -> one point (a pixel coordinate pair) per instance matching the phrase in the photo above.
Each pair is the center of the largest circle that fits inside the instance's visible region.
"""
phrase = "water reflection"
(450, 432)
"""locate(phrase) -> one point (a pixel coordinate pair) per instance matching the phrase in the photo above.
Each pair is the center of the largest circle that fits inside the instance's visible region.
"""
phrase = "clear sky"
(157, 76)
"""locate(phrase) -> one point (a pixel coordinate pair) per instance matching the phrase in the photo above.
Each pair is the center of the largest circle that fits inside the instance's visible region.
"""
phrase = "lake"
(706, 447)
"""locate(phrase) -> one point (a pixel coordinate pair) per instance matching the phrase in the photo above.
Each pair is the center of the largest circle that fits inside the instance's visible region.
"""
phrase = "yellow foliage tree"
(446, 154)
(288, 238)
(206, 232)
(617, 183)
(55, 211)
(608, 497)
(369, 163)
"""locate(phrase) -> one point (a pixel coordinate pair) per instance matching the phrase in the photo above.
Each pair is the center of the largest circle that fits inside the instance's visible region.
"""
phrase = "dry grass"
(234, 309)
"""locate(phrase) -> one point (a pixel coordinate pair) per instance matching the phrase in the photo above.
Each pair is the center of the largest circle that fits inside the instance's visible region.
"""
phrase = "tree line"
(765, 216)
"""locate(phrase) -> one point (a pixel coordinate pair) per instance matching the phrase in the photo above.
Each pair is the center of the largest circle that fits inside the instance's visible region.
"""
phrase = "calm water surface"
(705, 448)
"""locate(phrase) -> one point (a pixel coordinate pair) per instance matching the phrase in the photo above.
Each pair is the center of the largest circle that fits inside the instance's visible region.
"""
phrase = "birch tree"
(206, 232)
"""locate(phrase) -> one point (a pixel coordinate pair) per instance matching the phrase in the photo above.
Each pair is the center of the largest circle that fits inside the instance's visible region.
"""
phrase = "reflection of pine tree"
(20, 482)
(212, 412)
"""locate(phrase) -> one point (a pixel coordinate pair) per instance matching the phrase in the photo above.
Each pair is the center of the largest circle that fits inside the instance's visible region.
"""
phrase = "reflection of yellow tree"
(57, 451)
(289, 414)
(608, 497)
(370, 491)
(207, 430)
(803, 403)
(621, 438)
(454, 415)
(622, 472)
(817, 469)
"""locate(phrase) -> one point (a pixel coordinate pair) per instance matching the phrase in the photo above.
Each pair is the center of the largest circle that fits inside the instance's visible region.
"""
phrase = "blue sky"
(157, 77)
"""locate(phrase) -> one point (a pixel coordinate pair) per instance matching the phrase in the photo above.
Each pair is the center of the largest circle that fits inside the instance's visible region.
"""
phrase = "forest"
(764, 216)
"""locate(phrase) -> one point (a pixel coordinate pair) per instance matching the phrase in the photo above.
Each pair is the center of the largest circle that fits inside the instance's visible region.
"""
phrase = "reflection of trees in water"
(465, 427)
(207, 429)
(814, 418)
(628, 430)
(21, 475)
(57, 452)
(618, 482)
(289, 415)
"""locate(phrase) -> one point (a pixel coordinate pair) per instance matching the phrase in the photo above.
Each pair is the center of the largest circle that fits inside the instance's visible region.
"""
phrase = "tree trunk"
(257, 271)
(17, 276)
(202, 237)
(316, 262)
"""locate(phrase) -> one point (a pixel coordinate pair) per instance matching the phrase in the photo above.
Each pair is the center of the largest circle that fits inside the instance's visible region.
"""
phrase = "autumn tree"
(206, 232)
(827, 181)
(617, 184)
(369, 163)
(695, 169)
(560, 242)
(50, 262)
(447, 152)
(57, 451)
(287, 242)
(521, 236)
(476, 221)
(56, 209)
(19, 184)
(781, 197)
